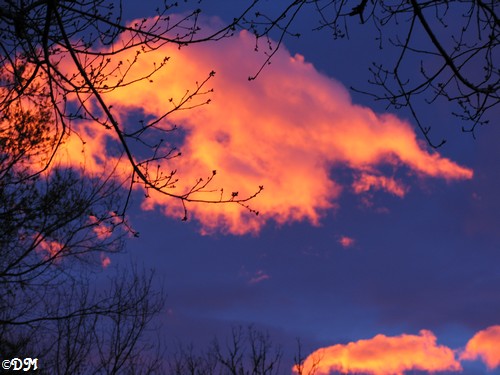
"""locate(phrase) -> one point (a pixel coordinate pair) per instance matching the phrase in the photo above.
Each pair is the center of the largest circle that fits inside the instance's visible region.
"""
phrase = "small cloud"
(485, 345)
(50, 249)
(258, 277)
(346, 241)
(103, 231)
(366, 181)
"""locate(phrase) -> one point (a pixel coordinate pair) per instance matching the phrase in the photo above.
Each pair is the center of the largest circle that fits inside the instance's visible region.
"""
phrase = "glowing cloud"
(383, 355)
(287, 131)
(486, 346)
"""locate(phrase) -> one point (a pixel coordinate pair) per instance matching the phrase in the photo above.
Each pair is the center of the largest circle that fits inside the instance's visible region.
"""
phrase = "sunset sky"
(379, 253)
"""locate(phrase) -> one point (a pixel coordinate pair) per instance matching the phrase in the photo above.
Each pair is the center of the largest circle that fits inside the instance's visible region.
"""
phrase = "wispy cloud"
(254, 277)
(287, 131)
(366, 181)
(258, 277)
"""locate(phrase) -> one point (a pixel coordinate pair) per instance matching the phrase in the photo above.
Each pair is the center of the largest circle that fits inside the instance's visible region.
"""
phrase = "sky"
(378, 252)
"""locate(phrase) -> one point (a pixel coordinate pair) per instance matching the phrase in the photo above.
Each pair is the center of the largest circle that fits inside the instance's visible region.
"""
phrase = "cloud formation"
(288, 130)
(485, 345)
(384, 355)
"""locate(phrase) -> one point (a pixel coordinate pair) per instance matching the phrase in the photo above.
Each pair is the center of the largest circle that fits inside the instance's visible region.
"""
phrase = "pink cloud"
(258, 277)
(50, 249)
(346, 241)
(254, 277)
(485, 345)
(287, 131)
(105, 260)
(101, 229)
(384, 355)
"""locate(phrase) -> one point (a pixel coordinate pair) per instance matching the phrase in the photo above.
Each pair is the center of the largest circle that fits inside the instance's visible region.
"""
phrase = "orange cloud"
(383, 355)
(287, 131)
(484, 345)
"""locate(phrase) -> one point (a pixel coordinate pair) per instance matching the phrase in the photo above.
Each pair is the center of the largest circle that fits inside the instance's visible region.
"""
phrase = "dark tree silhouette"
(55, 230)
(299, 362)
(58, 224)
(245, 351)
